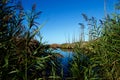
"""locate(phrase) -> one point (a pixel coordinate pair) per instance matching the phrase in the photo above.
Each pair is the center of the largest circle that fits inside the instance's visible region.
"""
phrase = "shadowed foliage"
(21, 56)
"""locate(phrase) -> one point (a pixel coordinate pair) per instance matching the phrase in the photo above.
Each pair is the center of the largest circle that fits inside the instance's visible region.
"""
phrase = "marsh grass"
(23, 57)
(99, 58)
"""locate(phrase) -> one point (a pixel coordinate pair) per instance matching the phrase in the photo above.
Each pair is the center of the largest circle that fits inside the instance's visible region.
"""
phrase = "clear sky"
(64, 15)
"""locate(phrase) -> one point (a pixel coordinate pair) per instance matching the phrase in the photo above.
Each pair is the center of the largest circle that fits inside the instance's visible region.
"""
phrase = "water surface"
(67, 56)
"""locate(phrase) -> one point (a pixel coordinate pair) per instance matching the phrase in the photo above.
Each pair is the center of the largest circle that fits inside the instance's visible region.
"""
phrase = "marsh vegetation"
(23, 57)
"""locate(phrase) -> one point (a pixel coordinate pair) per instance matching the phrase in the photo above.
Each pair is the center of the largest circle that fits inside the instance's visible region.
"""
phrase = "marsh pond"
(65, 60)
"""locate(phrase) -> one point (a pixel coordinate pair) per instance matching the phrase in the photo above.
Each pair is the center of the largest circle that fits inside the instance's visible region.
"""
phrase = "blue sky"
(64, 15)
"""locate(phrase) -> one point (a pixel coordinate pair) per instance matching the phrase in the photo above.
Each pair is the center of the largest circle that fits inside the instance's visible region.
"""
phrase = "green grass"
(99, 58)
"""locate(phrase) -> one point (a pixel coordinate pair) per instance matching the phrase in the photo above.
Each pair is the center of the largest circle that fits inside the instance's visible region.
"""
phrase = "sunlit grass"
(99, 58)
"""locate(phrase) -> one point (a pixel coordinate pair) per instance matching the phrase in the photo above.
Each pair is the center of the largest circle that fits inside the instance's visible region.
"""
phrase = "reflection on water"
(67, 50)
(67, 56)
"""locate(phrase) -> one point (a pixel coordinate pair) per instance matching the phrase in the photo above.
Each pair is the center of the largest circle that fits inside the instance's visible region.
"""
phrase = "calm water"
(67, 56)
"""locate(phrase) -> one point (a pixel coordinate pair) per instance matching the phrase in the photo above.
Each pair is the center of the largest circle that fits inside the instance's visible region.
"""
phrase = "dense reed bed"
(23, 57)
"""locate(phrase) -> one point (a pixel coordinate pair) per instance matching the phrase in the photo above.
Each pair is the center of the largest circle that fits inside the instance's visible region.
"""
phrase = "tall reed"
(23, 57)
(99, 58)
